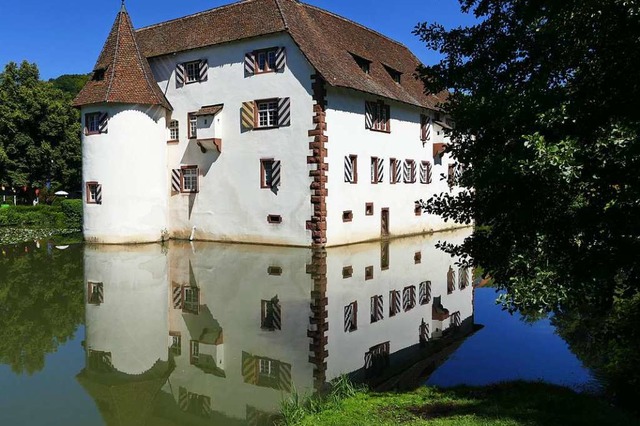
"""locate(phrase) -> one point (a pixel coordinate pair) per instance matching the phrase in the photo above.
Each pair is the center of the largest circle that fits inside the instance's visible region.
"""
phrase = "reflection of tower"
(126, 330)
(318, 323)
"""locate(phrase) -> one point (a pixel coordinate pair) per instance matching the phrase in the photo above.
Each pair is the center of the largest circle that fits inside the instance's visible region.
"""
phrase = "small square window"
(92, 123)
(176, 344)
(368, 273)
(351, 317)
(267, 113)
(351, 169)
(363, 63)
(191, 302)
(347, 272)
(368, 209)
(98, 75)
(347, 216)
(266, 60)
(192, 71)
(95, 293)
(94, 193)
(417, 257)
(193, 126)
(271, 314)
(274, 270)
(174, 130)
(189, 178)
(274, 218)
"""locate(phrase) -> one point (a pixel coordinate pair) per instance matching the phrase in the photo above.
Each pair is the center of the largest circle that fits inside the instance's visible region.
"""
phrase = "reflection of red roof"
(122, 74)
(327, 40)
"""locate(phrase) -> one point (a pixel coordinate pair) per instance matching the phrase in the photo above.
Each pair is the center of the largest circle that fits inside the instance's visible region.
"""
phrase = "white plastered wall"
(347, 349)
(348, 136)
(132, 322)
(233, 280)
(230, 205)
(129, 161)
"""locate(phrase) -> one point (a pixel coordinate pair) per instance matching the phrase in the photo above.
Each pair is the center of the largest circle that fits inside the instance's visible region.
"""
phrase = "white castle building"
(263, 121)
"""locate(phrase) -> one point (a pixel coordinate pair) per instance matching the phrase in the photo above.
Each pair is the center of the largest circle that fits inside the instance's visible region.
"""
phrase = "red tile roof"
(125, 75)
(327, 40)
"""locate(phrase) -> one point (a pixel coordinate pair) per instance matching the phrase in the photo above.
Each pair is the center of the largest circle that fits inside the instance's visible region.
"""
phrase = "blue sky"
(65, 37)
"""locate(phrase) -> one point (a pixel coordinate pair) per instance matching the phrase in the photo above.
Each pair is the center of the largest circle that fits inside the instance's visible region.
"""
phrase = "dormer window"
(395, 74)
(363, 63)
(98, 75)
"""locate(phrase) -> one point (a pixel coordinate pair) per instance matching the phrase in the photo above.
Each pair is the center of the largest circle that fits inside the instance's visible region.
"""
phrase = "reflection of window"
(377, 358)
(424, 291)
(267, 368)
(377, 308)
(176, 345)
(191, 302)
(194, 352)
(451, 280)
(394, 303)
(409, 298)
(271, 314)
(95, 293)
(351, 317)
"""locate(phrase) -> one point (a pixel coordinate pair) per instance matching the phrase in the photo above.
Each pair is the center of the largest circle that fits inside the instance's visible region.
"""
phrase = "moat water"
(219, 334)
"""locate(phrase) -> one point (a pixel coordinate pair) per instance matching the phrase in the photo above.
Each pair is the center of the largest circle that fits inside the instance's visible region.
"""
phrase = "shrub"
(41, 216)
(72, 210)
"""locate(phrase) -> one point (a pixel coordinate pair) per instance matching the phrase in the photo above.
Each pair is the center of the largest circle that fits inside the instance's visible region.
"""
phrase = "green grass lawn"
(514, 403)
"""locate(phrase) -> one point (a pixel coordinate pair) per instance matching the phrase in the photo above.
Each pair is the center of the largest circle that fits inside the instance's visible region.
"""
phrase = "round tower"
(125, 180)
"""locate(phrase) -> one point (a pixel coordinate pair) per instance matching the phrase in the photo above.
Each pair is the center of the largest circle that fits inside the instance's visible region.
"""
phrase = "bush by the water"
(66, 215)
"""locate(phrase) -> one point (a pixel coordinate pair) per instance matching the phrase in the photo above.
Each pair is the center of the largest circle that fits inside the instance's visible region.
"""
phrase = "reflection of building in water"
(225, 331)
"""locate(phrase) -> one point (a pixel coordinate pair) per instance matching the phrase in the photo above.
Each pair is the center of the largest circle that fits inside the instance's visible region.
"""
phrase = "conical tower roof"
(122, 74)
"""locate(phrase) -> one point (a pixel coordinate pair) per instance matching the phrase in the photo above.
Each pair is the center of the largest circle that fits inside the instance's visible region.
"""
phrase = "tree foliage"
(70, 83)
(41, 304)
(39, 131)
(546, 100)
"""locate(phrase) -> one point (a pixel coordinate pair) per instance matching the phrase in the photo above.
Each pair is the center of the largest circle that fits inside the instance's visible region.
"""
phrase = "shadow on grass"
(519, 402)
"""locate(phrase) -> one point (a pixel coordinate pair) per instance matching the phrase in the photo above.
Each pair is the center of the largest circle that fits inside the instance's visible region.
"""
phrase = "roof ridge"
(145, 65)
(193, 15)
(319, 9)
(284, 18)
(115, 56)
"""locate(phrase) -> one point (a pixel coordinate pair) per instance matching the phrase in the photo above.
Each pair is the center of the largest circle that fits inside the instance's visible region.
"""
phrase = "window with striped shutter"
(377, 170)
(351, 317)
(377, 116)
(425, 128)
(396, 171)
(377, 307)
(271, 314)
(270, 174)
(409, 298)
(265, 114)
(351, 169)
(424, 292)
(192, 72)
(409, 171)
(394, 303)
(273, 59)
(426, 172)
(93, 193)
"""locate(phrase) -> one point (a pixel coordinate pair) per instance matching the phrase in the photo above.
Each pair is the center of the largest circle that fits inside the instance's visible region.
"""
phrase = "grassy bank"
(23, 223)
(514, 403)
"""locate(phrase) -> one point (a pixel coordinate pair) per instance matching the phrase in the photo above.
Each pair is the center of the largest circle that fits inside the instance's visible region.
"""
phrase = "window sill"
(265, 127)
(379, 130)
(173, 141)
